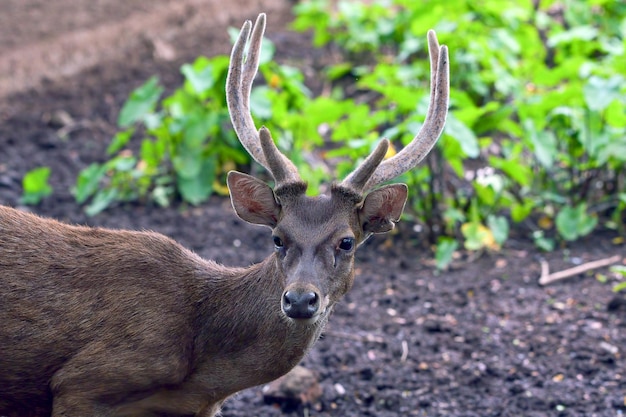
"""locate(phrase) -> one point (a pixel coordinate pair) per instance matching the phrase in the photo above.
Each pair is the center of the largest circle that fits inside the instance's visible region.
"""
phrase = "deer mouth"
(304, 307)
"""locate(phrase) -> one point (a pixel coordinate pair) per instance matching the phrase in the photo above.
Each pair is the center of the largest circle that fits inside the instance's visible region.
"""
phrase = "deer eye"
(278, 243)
(347, 243)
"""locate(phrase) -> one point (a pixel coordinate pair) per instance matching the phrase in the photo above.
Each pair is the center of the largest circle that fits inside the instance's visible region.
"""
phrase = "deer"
(102, 322)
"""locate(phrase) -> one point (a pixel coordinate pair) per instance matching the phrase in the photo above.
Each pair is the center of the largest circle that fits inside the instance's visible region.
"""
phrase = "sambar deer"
(97, 322)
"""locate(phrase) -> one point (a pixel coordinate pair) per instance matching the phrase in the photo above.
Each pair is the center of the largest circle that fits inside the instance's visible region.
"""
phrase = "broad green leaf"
(502, 38)
(453, 215)
(102, 200)
(356, 125)
(88, 181)
(181, 104)
(600, 92)
(196, 129)
(615, 114)
(516, 170)
(199, 75)
(141, 101)
(520, 211)
(260, 103)
(574, 222)
(35, 185)
(198, 188)
(120, 140)
(505, 82)
(188, 163)
(544, 144)
(153, 152)
(268, 49)
(486, 194)
(121, 163)
(499, 227)
(463, 135)
(445, 252)
(582, 33)
(325, 110)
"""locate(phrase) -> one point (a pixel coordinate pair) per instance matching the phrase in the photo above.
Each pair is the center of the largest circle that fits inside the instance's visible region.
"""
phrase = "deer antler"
(373, 171)
(425, 139)
(238, 87)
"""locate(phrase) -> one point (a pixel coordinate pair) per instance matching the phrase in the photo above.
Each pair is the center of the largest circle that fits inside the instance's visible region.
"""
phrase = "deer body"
(98, 318)
(97, 322)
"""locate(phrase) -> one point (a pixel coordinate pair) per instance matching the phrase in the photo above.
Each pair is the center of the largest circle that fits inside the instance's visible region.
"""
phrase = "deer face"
(314, 243)
(315, 238)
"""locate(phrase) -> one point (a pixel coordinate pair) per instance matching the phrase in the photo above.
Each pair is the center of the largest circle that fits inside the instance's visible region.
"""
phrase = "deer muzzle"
(302, 302)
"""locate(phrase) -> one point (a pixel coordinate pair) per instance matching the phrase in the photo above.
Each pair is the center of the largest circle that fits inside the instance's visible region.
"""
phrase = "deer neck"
(244, 328)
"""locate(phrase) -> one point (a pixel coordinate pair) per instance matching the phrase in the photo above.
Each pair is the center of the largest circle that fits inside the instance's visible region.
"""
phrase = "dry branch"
(356, 337)
(548, 278)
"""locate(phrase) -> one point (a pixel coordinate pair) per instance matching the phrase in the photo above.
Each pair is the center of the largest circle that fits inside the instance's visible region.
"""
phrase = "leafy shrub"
(536, 132)
(185, 144)
(188, 144)
(535, 136)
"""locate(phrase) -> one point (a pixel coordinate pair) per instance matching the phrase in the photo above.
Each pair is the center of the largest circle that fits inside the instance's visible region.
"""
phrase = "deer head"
(104, 322)
(315, 238)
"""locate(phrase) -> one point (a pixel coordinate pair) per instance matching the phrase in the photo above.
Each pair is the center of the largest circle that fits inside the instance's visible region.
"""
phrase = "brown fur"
(97, 322)
(107, 322)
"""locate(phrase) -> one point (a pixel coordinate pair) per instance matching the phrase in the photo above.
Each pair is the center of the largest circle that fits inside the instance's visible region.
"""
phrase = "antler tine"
(356, 179)
(281, 172)
(238, 87)
(423, 142)
(433, 125)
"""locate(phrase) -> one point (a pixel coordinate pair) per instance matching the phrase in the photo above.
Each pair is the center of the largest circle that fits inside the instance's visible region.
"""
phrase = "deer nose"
(300, 304)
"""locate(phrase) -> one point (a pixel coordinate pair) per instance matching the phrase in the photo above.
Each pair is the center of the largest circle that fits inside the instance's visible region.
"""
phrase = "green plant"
(187, 144)
(184, 146)
(534, 139)
(620, 270)
(445, 252)
(536, 130)
(35, 186)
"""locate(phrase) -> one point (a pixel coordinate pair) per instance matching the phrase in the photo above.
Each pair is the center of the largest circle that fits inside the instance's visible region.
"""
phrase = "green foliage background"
(536, 135)
(535, 141)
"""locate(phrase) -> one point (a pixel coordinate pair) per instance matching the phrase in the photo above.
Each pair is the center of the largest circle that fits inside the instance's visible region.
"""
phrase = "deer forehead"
(314, 219)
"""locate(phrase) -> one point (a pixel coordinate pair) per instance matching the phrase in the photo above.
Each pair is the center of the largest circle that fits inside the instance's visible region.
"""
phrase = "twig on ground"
(357, 337)
(548, 278)
(405, 351)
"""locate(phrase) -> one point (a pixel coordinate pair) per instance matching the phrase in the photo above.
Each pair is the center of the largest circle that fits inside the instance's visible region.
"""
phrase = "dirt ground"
(483, 339)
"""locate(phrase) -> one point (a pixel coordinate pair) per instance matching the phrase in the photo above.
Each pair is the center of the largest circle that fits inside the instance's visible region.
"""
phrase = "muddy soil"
(483, 339)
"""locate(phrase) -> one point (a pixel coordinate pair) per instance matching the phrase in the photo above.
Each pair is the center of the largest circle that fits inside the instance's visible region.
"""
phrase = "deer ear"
(252, 199)
(382, 208)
